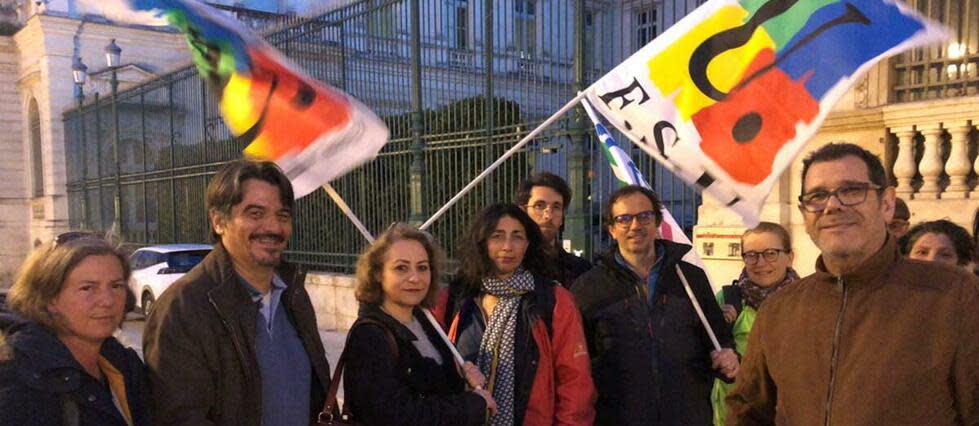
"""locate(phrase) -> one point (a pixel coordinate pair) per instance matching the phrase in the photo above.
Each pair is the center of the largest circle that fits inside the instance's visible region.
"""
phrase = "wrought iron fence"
(946, 70)
(457, 81)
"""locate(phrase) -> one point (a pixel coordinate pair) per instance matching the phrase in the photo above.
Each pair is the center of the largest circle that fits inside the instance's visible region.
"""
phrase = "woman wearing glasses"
(939, 241)
(767, 254)
(522, 330)
(398, 369)
(59, 363)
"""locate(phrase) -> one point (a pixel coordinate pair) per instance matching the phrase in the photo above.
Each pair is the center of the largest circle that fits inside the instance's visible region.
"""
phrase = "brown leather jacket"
(896, 342)
(199, 345)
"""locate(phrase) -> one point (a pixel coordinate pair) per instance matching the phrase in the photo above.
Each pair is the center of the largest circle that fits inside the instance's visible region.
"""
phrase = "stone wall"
(333, 299)
(14, 208)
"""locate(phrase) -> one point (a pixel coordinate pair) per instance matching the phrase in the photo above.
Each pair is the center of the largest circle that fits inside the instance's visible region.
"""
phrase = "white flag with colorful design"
(628, 174)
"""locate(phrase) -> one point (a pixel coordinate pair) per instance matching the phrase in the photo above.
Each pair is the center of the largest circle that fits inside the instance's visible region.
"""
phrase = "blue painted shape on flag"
(852, 44)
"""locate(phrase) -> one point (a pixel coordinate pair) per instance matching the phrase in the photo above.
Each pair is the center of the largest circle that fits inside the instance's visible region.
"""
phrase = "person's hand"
(730, 314)
(726, 362)
(490, 402)
(473, 376)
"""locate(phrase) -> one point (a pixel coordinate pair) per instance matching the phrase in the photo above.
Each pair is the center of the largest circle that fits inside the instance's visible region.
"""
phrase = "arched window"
(37, 165)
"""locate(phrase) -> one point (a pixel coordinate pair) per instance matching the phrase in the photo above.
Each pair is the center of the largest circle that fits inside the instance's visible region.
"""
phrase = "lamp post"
(79, 73)
(112, 54)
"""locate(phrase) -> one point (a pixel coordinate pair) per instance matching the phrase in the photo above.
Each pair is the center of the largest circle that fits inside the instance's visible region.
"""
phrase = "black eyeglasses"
(644, 218)
(69, 236)
(751, 257)
(848, 195)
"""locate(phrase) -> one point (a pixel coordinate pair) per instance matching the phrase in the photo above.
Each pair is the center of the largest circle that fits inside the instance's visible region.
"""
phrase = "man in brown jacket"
(871, 338)
(235, 342)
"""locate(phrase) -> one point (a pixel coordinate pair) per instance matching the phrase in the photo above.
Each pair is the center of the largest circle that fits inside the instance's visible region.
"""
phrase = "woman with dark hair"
(399, 371)
(522, 330)
(59, 363)
(939, 241)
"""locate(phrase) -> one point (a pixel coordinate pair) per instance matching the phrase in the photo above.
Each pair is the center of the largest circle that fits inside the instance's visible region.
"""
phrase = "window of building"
(646, 26)
(37, 163)
(458, 23)
(525, 26)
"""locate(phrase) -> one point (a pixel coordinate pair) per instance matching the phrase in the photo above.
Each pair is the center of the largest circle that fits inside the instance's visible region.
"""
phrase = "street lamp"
(112, 54)
(79, 73)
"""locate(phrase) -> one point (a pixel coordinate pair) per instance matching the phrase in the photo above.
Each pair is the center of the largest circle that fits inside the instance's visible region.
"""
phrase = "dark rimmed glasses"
(770, 255)
(644, 218)
(848, 195)
(540, 207)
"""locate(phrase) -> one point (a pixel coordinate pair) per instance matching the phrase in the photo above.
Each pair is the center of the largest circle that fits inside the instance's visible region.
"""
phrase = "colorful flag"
(728, 96)
(627, 173)
(314, 132)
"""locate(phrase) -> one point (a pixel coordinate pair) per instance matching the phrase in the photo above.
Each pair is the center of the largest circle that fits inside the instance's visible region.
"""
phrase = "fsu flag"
(727, 97)
(314, 132)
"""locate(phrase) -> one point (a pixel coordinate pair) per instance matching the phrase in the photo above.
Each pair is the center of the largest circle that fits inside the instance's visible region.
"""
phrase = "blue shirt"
(653, 278)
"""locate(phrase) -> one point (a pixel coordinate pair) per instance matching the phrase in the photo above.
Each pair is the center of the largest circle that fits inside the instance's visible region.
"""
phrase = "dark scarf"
(754, 294)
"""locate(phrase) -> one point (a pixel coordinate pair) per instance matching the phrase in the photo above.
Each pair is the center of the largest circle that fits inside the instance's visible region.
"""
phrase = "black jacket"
(39, 377)
(570, 267)
(199, 345)
(651, 364)
(403, 388)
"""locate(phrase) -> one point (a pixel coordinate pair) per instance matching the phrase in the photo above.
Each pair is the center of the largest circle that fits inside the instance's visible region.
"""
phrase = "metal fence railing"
(457, 81)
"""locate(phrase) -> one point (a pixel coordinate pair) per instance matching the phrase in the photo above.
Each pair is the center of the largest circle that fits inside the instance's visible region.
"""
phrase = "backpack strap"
(69, 410)
(732, 296)
(329, 407)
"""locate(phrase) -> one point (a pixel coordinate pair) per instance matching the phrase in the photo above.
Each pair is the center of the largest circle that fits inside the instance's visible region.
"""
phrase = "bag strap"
(69, 411)
(330, 405)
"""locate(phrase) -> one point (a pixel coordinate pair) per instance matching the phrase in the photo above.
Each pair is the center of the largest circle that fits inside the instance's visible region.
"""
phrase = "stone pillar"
(904, 166)
(958, 166)
(931, 166)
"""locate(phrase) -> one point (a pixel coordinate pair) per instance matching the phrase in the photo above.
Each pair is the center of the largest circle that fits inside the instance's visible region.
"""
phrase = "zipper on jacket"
(835, 355)
(234, 341)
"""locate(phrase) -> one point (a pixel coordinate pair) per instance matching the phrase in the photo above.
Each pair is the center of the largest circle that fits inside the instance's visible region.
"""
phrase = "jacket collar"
(373, 311)
(672, 253)
(228, 293)
(871, 273)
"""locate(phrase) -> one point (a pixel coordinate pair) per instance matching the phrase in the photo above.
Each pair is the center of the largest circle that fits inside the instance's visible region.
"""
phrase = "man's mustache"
(277, 237)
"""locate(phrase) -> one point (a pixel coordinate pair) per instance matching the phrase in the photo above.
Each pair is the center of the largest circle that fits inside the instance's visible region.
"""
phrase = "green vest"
(742, 326)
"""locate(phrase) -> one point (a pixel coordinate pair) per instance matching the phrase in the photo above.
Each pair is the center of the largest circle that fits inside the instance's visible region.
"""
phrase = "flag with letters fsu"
(627, 173)
(728, 96)
(314, 132)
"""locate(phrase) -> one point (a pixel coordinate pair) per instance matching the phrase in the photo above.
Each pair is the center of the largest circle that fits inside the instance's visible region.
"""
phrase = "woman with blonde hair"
(398, 369)
(59, 363)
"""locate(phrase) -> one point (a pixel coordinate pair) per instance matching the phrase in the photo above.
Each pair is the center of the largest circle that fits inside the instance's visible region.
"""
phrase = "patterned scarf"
(496, 360)
(754, 294)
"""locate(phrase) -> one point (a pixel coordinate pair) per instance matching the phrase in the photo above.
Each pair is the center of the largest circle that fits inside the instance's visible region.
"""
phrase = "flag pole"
(571, 104)
(346, 210)
(696, 307)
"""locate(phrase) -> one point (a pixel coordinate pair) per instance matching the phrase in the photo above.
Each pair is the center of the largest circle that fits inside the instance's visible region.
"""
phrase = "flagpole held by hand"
(571, 104)
(696, 307)
(346, 210)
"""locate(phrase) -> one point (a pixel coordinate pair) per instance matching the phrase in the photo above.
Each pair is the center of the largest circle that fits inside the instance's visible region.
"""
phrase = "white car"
(156, 267)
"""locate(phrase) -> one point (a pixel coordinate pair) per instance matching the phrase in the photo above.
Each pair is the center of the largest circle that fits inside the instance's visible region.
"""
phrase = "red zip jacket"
(562, 392)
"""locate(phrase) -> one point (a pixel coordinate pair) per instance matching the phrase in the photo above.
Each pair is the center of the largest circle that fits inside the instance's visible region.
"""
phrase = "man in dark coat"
(235, 342)
(545, 197)
(652, 360)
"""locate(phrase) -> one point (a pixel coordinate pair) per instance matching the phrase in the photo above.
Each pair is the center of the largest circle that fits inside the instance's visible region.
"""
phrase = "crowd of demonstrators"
(521, 328)
(397, 369)
(545, 197)
(869, 338)
(59, 363)
(235, 341)
(767, 253)
(939, 241)
(652, 360)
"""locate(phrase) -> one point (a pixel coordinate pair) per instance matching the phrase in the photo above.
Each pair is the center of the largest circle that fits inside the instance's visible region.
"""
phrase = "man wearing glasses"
(652, 361)
(544, 197)
(870, 338)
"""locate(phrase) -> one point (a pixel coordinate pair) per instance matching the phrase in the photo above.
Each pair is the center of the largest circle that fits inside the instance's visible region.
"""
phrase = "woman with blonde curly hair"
(59, 363)
(398, 369)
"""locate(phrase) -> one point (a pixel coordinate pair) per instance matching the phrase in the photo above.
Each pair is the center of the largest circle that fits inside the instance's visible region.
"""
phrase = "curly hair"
(474, 261)
(371, 263)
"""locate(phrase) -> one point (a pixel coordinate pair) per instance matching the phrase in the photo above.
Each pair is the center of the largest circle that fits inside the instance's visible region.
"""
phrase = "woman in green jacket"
(767, 253)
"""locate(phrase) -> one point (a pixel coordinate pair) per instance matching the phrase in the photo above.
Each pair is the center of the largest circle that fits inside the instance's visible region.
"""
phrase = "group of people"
(524, 332)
